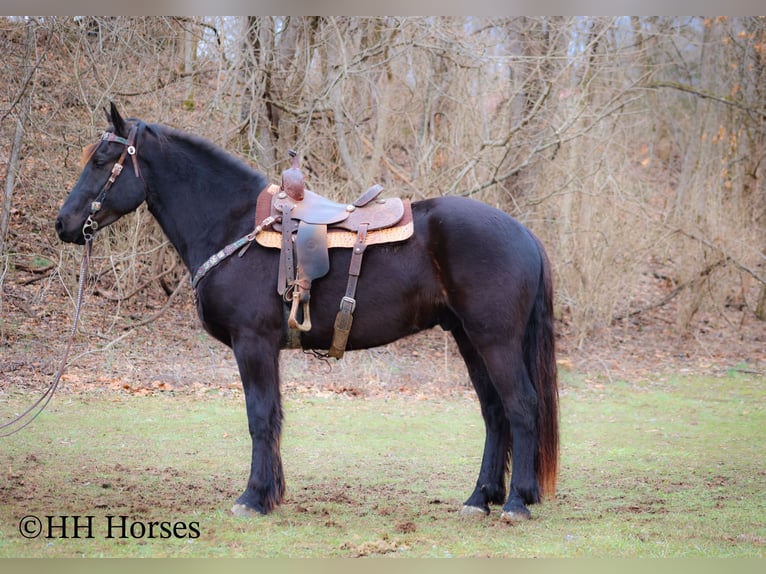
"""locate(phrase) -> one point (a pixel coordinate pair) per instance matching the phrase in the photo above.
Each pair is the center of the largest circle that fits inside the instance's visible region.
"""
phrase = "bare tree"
(633, 146)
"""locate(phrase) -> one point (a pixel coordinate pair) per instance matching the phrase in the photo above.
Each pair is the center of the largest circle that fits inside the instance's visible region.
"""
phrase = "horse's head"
(101, 195)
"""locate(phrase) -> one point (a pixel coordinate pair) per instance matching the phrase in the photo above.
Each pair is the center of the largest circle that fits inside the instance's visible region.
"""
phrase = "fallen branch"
(129, 330)
(741, 266)
(179, 288)
(673, 294)
(119, 299)
(37, 278)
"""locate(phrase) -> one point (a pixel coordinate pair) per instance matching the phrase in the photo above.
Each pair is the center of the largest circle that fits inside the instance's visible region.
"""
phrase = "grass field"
(668, 468)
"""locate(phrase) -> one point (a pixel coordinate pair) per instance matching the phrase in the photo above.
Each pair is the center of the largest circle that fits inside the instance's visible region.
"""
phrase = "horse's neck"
(202, 207)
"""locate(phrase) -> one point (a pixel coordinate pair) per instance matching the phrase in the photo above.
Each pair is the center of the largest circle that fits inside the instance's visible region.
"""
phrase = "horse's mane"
(166, 134)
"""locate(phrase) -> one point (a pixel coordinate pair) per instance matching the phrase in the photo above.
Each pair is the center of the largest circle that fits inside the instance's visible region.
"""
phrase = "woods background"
(634, 147)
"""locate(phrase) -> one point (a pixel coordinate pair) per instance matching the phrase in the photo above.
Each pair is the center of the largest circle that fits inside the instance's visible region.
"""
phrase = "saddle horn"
(292, 179)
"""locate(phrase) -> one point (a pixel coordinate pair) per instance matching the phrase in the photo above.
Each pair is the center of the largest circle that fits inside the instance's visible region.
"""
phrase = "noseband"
(91, 225)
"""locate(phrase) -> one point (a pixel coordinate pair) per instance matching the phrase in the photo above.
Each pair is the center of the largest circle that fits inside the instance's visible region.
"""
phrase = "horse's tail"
(540, 360)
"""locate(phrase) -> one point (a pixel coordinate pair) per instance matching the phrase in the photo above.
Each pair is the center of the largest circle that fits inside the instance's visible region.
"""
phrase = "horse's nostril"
(61, 229)
(59, 225)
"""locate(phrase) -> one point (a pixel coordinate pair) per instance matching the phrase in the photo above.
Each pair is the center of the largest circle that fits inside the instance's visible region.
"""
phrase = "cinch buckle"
(348, 302)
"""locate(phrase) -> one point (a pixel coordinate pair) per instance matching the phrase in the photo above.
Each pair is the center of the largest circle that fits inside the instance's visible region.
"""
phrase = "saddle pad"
(336, 237)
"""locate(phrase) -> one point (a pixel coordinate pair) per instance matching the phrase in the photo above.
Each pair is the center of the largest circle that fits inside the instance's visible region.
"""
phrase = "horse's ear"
(116, 120)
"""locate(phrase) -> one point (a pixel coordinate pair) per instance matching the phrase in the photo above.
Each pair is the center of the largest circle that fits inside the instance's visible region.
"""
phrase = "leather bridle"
(90, 226)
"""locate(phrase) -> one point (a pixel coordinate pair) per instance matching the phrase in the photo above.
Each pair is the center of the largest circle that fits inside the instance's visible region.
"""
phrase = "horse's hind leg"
(490, 486)
(505, 367)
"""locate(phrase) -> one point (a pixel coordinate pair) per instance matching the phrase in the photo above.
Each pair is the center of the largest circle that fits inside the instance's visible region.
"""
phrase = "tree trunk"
(18, 137)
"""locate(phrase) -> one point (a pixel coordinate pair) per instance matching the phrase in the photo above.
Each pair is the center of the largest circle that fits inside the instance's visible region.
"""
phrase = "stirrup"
(292, 321)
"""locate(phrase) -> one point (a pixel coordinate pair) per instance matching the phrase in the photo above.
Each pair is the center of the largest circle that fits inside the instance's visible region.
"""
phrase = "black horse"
(468, 267)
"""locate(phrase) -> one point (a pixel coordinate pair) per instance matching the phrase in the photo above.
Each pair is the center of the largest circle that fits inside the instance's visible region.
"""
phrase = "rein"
(46, 397)
(89, 229)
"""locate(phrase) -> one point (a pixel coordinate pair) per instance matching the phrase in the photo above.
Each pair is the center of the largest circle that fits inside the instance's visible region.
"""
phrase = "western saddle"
(306, 225)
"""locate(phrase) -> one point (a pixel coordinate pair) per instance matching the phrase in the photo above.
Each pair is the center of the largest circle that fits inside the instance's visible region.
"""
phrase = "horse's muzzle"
(68, 231)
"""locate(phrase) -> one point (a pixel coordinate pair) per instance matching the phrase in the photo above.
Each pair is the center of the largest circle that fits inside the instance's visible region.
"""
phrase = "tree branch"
(706, 95)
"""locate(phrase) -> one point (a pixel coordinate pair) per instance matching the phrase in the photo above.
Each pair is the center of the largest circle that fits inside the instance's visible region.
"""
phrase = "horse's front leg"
(258, 362)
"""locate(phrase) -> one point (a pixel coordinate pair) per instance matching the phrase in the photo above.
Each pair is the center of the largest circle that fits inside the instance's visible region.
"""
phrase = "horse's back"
(481, 233)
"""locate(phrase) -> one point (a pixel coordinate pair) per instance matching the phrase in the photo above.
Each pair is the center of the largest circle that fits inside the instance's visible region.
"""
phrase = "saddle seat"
(305, 225)
(318, 210)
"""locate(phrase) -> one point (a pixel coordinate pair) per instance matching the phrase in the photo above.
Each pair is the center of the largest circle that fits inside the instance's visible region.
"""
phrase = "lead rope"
(46, 397)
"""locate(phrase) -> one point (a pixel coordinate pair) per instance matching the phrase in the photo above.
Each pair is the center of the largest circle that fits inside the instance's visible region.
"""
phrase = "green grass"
(668, 468)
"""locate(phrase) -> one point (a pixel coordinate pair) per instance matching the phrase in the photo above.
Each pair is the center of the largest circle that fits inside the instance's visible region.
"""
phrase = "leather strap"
(368, 195)
(286, 265)
(345, 316)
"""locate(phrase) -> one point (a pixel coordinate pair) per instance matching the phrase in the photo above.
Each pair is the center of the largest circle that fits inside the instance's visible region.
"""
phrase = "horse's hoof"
(244, 511)
(474, 511)
(517, 515)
